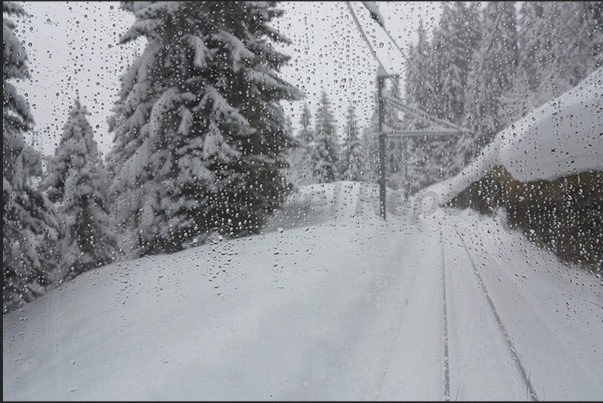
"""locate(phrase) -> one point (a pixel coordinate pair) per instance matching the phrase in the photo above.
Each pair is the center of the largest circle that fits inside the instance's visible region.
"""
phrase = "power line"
(376, 15)
(364, 36)
(425, 115)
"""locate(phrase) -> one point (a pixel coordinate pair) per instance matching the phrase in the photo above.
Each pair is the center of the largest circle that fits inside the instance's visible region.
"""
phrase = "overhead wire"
(372, 8)
(426, 115)
(364, 36)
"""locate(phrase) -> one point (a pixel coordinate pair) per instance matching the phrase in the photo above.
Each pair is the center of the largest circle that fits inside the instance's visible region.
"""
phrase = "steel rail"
(514, 354)
(445, 317)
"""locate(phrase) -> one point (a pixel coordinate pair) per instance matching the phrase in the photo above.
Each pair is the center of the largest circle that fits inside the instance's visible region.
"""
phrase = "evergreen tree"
(200, 135)
(456, 40)
(420, 83)
(455, 44)
(435, 84)
(560, 44)
(325, 157)
(77, 182)
(306, 134)
(16, 116)
(420, 93)
(492, 75)
(29, 225)
(301, 157)
(353, 153)
(486, 67)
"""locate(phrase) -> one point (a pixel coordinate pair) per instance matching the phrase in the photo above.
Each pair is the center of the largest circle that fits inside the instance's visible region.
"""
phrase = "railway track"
(481, 286)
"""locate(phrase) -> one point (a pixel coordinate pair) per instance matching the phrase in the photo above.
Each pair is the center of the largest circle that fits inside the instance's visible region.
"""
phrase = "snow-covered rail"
(445, 324)
(514, 312)
(520, 367)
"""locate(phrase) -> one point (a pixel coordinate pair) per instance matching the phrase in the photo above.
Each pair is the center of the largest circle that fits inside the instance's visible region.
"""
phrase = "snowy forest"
(202, 146)
(482, 68)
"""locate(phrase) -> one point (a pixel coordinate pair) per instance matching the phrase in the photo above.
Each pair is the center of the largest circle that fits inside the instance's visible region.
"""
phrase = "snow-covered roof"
(560, 138)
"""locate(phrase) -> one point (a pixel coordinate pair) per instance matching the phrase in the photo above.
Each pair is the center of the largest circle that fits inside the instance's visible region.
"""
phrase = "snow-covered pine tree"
(306, 133)
(301, 156)
(492, 75)
(420, 83)
(16, 116)
(560, 43)
(29, 225)
(455, 43)
(295, 152)
(419, 93)
(426, 158)
(77, 183)
(353, 153)
(531, 30)
(325, 157)
(200, 136)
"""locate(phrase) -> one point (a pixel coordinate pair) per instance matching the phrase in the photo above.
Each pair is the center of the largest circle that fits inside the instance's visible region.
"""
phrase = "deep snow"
(346, 308)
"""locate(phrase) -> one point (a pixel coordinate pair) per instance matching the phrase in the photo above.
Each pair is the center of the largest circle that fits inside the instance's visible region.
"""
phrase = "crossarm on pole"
(419, 133)
(419, 113)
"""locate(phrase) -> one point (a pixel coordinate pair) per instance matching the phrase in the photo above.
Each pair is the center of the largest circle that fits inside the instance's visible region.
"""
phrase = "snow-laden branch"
(238, 50)
(202, 53)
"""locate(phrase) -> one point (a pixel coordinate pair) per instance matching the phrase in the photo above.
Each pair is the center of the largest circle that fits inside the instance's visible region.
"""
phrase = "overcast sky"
(74, 45)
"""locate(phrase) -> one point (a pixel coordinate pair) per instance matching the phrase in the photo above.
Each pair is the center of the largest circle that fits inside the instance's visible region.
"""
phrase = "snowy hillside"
(428, 305)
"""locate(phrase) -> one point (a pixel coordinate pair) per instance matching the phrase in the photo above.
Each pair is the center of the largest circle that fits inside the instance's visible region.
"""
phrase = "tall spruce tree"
(77, 182)
(325, 157)
(455, 43)
(560, 43)
(487, 66)
(353, 153)
(200, 136)
(29, 224)
(434, 83)
(492, 74)
(420, 84)
(301, 157)
(306, 133)
(420, 92)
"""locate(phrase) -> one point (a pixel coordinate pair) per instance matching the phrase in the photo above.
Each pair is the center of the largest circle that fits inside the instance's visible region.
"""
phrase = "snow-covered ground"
(431, 303)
